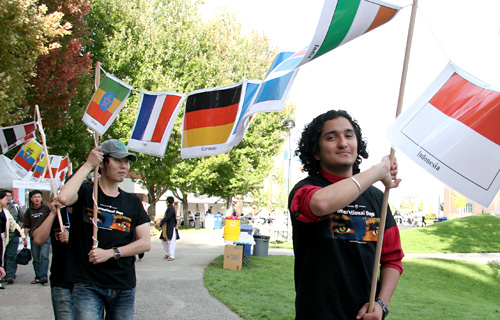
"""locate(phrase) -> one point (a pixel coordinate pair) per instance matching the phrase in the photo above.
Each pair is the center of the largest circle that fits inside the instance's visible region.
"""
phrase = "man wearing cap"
(104, 276)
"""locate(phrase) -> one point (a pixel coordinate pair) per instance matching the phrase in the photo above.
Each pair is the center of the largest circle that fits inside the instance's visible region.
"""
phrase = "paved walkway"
(165, 289)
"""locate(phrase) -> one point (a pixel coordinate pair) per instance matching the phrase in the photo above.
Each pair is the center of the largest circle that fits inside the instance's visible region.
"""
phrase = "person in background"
(335, 214)
(33, 218)
(61, 291)
(7, 226)
(10, 264)
(168, 227)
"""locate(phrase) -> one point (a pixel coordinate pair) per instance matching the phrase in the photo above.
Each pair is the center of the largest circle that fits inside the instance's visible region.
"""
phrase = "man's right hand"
(95, 157)
(390, 179)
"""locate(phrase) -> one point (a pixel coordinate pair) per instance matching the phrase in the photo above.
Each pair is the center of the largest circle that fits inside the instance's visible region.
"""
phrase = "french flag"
(155, 120)
(453, 132)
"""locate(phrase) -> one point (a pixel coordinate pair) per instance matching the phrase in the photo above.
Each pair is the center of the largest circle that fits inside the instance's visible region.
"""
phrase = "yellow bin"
(232, 229)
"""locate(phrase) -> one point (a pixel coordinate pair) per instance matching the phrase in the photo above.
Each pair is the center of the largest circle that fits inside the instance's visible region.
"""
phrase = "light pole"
(289, 124)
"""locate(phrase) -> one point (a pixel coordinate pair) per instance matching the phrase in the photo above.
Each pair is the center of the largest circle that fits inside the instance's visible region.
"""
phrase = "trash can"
(210, 222)
(247, 248)
(197, 222)
(232, 229)
(217, 221)
(261, 247)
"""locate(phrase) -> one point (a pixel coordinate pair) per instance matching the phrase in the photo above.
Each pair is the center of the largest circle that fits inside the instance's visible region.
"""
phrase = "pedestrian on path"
(33, 218)
(169, 233)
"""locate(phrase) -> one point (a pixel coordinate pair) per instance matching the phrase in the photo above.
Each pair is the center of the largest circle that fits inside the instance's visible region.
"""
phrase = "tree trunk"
(229, 206)
(152, 203)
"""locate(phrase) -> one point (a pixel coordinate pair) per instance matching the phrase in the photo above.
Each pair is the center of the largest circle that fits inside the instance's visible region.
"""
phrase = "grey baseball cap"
(117, 149)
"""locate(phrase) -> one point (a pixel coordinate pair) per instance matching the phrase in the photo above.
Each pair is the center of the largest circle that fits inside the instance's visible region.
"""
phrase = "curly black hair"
(309, 141)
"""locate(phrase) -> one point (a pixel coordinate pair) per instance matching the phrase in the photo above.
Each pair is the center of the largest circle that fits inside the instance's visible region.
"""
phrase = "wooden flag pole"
(95, 242)
(385, 200)
(51, 175)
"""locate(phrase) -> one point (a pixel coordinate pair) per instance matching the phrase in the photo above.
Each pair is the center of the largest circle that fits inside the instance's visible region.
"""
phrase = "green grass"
(281, 244)
(428, 288)
(480, 233)
(265, 291)
(447, 289)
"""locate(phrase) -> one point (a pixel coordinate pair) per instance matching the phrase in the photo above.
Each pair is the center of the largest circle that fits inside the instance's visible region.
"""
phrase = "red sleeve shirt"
(392, 252)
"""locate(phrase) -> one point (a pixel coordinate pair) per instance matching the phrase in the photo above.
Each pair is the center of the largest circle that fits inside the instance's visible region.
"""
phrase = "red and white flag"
(453, 132)
(59, 166)
(10, 137)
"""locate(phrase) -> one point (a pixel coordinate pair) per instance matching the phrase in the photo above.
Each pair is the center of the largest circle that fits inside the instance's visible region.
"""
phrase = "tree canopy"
(152, 45)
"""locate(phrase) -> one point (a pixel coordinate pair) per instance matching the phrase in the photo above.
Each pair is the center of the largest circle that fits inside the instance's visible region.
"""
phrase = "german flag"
(210, 116)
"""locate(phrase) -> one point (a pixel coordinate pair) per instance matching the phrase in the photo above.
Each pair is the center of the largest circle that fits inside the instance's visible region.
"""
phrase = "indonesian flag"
(209, 119)
(11, 137)
(106, 103)
(26, 157)
(154, 122)
(453, 132)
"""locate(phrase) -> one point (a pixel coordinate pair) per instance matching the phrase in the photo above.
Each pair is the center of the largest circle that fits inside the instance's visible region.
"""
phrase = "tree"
(58, 72)
(421, 205)
(459, 202)
(242, 170)
(159, 46)
(26, 31)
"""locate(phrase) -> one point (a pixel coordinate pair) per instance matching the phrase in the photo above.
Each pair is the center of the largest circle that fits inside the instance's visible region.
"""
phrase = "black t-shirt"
(117, 219)
(334, 257)
(33, 218)
(59, 252)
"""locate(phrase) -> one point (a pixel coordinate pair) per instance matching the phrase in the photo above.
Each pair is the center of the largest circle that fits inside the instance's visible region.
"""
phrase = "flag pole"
(51, 175)
(95, 242)
(385, 199)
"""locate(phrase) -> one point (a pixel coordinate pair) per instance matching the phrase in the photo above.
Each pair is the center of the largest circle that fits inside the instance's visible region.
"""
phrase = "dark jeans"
(62, 303)
(91, 301)
(40, 259)
(10, 264)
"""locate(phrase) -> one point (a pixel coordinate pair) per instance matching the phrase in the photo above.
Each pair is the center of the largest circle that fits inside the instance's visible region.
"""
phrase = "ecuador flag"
(106, 103)
(26, 157)
(209, 118)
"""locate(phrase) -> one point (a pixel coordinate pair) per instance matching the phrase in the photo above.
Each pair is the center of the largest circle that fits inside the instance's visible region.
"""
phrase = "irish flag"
(209, 118)
(154, 122)
(453, 132)
(106, 103)
(344, 20)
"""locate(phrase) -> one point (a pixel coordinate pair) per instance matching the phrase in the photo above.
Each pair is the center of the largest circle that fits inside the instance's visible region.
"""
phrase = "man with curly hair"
(335, 214)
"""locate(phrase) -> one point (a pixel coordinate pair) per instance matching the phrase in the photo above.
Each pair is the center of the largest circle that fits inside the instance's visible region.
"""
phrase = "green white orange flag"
(106, 103)
(209, 119)
(453, 132)
(342, 21)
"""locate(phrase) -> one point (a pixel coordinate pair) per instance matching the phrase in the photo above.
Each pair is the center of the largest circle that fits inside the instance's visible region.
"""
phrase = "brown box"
(233, 256)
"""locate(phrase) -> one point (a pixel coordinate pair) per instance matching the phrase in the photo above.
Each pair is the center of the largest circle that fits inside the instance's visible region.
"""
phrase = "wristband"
(357, 183)
(384, 307)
